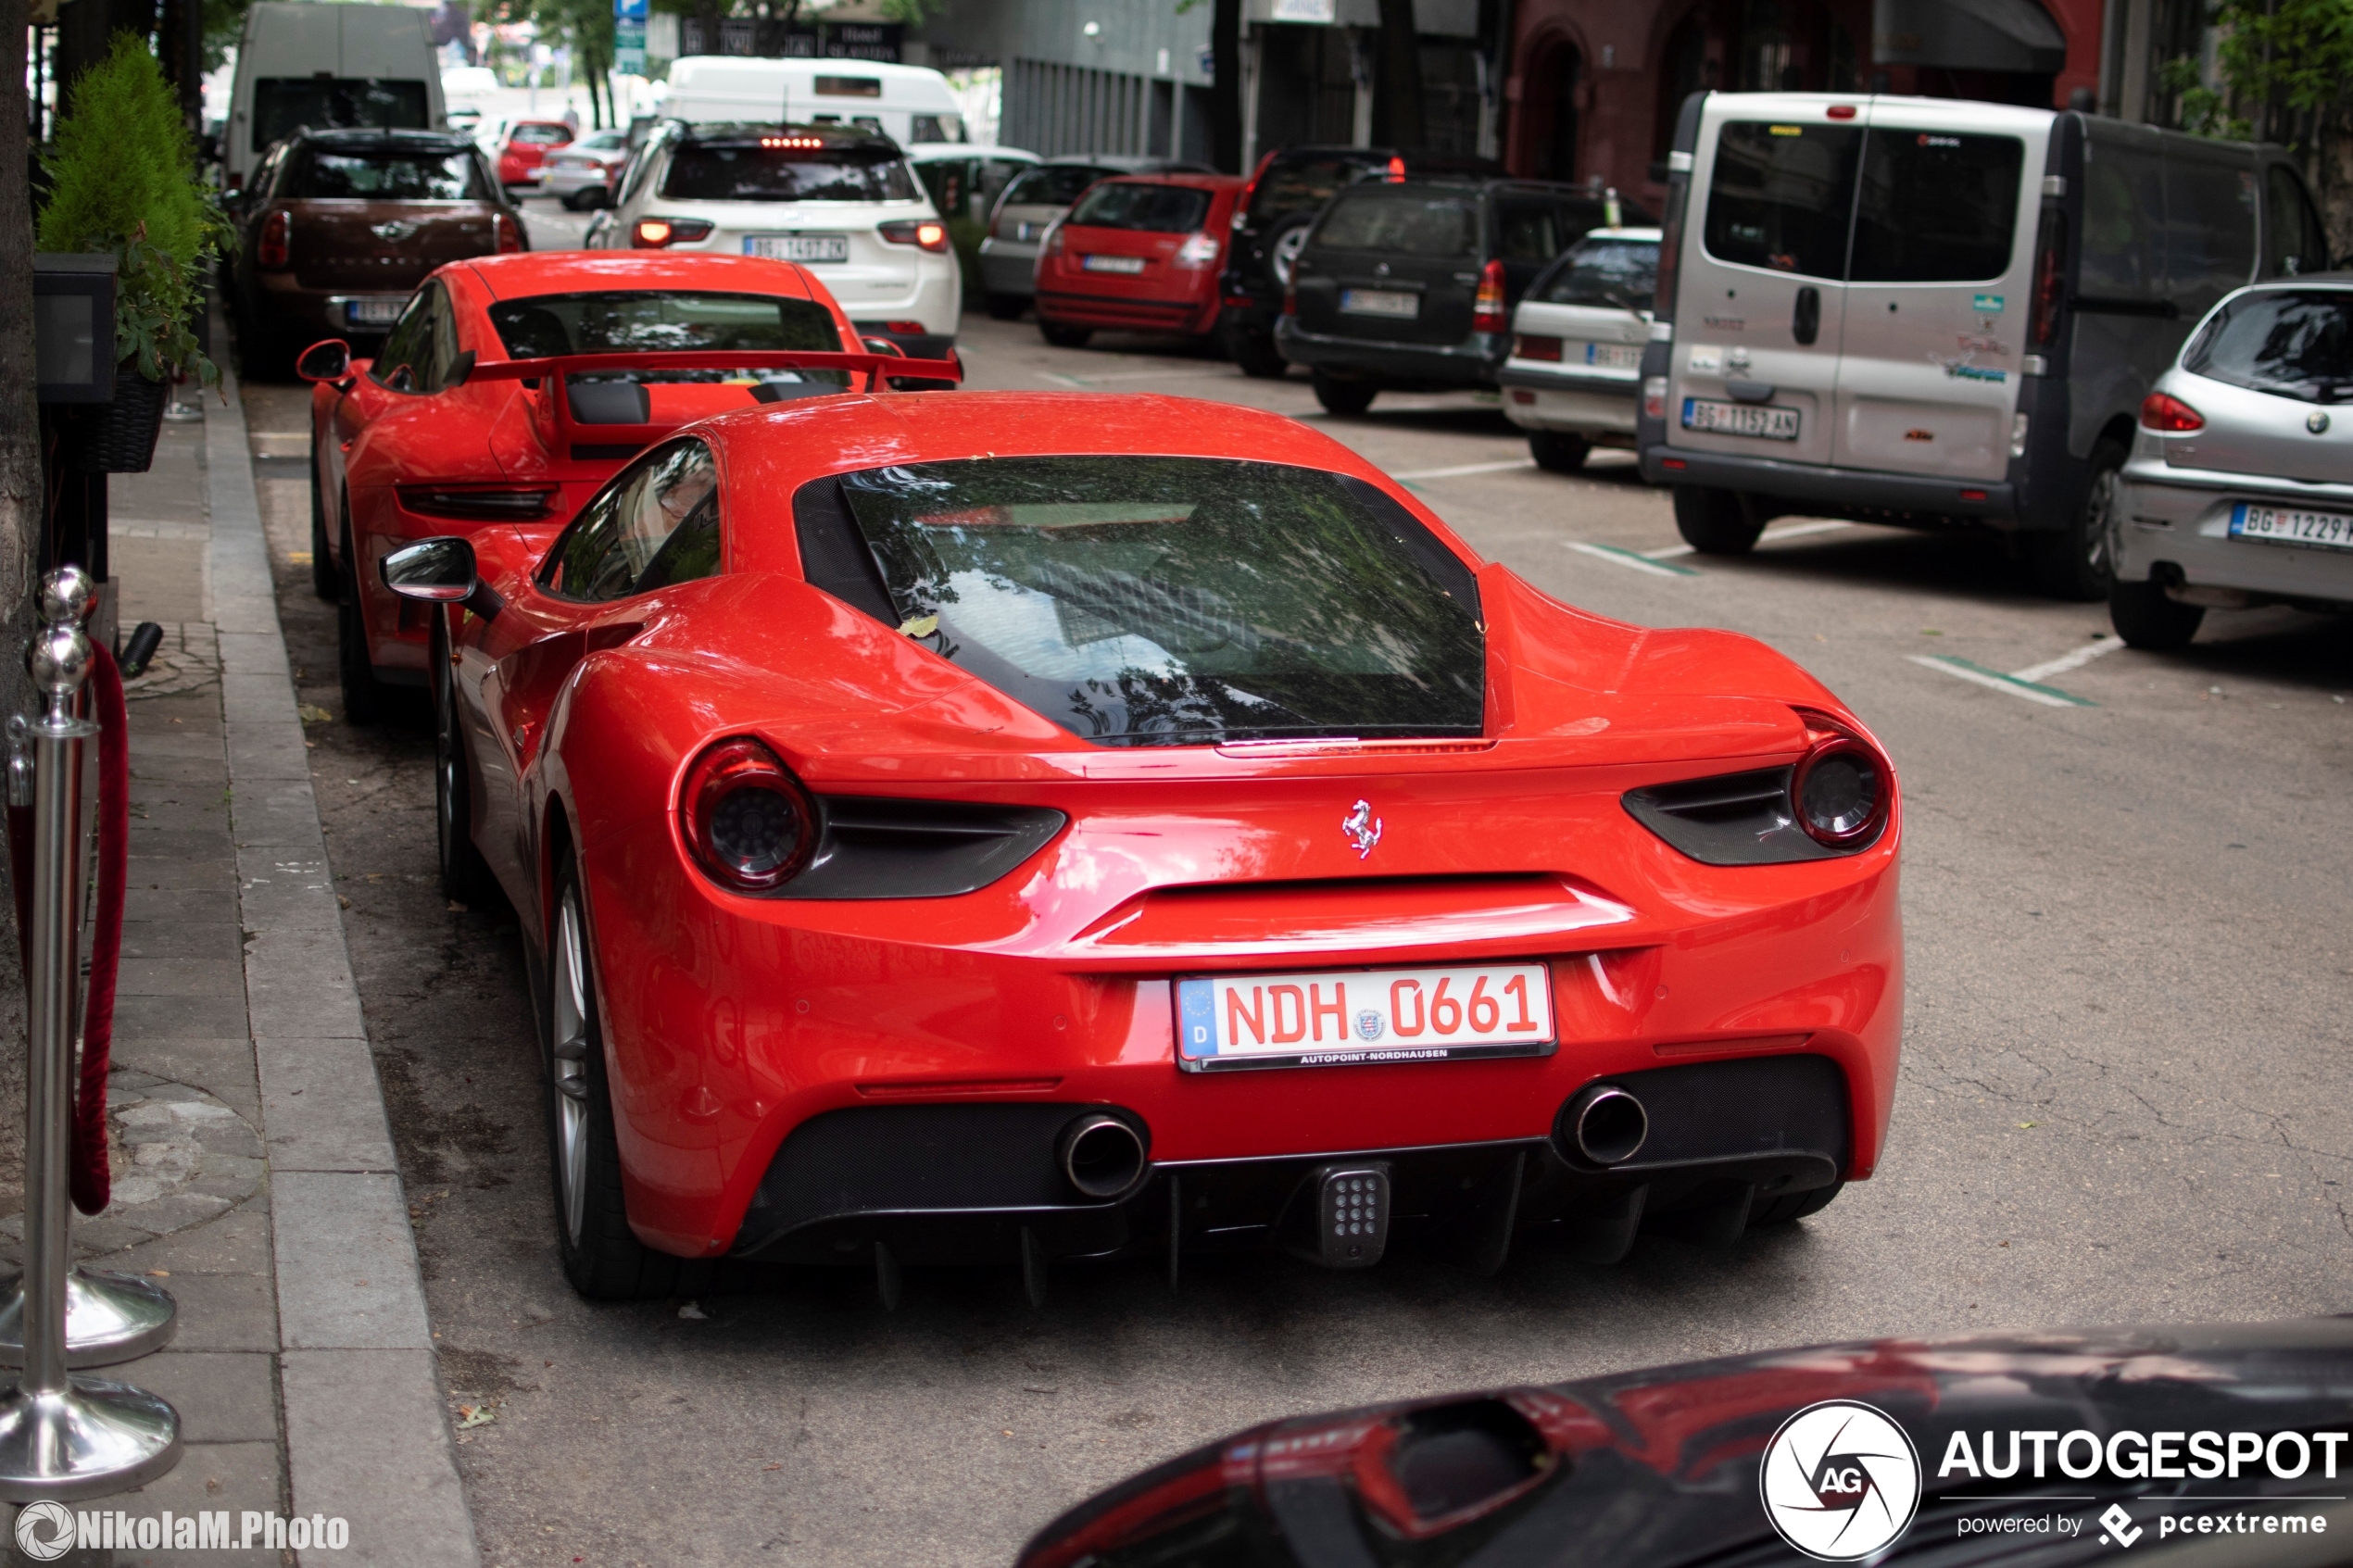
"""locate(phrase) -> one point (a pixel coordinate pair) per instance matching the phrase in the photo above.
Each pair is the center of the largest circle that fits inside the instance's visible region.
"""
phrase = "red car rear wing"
(564, 433)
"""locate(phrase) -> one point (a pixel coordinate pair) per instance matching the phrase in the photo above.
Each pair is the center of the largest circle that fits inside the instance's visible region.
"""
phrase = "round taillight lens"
(2163, 411)
(1841, 792)
(746, 819)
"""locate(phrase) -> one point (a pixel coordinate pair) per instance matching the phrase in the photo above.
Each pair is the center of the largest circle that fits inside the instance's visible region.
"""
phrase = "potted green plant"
(123, 177)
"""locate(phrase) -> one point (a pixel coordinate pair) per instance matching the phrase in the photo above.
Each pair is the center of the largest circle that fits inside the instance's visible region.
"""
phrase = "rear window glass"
(1166, 601)
(1155, 210)
(1051, 187)
(1302, 186)
(387, 175)
(1936, 207)
(284, 104)
(1779, 197)
(1616, 274)
(2290, 343)
(650, 322)
(540, 135)
(1403, 222)
(746, 171)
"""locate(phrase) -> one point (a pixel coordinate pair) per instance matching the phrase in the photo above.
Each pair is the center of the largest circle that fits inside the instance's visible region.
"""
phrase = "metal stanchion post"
(62, 1436)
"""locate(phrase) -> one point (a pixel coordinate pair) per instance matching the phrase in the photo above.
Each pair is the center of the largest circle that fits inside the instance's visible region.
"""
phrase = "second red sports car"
(1006, 826)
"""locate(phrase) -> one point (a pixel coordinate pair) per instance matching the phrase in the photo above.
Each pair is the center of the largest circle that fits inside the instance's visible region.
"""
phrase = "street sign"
(629, 40)
(630, 11)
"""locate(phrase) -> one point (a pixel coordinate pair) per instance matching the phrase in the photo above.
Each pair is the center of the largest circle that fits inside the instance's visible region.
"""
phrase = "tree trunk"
(1225, 88)
(1397, 91)
(707, 15)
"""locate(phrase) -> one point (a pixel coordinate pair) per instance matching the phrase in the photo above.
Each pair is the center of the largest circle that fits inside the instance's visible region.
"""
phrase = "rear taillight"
(276, 242)
(1193, 1509)
(1487, 313)
(1839, 790)
(1291, 302)
(927, 233)
(1653, 398)
(1198, 250)
(1396, 171)
(509, 232)
(477, 505)
(234, 182)
(2163, 411)
(1526, 347)
(1053, 246)
(745, 819)
(2050, 281)
(653, 234)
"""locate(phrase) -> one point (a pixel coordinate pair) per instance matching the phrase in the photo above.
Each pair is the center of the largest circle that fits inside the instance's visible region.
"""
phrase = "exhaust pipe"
(1602, 1125)
(1102, 1156)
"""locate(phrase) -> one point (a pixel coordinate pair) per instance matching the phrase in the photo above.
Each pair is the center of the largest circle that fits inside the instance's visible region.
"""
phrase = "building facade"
(1086, 76)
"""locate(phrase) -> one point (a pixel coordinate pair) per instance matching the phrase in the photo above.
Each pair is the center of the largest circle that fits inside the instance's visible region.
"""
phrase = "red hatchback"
(528, 143)
(1138, 253)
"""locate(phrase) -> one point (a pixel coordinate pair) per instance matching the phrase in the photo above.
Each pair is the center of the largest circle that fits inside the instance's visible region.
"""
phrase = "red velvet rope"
(93, 1183)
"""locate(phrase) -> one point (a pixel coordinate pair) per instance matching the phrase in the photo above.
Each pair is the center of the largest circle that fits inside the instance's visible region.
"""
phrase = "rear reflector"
(1673, 463)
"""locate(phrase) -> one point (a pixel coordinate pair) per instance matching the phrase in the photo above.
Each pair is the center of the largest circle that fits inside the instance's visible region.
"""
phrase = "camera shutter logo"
(44, 1531)
(1840, 1481)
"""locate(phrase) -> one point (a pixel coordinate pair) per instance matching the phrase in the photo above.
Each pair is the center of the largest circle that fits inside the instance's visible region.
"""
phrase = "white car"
(839, 201)
(581, 174)
(1576, 366)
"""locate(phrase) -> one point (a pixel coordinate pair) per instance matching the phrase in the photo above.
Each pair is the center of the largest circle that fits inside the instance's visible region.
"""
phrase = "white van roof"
(727, 81)
(291, 37)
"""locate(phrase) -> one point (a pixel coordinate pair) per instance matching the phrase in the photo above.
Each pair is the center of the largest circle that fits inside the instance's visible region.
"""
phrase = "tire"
(465, 875)
(1557, 451)
(1344, 396)
(602, 1258)
(2145, 618)
(1062, 335)
(363, 695)
(1006, 306)
(2077, 562)
(1283, 247)
(323, 578)
(1717, 522)
(574, 201)
(1257, 356)
(1792, 1207)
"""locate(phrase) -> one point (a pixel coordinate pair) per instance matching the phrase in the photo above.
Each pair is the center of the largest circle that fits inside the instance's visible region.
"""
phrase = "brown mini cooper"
(340, 226)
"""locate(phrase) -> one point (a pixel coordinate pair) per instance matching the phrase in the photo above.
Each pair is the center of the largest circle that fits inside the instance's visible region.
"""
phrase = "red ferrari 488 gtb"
(1004, 827)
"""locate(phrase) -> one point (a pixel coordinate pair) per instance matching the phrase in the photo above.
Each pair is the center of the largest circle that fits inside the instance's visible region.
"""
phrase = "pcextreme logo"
(1841, 1480)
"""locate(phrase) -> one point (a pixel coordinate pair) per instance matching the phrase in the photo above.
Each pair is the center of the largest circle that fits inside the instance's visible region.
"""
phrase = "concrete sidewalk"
(254, 1170)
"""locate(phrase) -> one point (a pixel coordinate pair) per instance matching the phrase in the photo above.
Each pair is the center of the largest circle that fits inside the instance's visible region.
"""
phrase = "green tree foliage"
(2286, 70)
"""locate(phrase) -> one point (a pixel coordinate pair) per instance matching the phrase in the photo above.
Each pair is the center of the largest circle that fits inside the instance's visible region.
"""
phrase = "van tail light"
(654, 233)
(2163, 411)
(2050, 281)
(1487, 313)
(276, 246)
(1198, 250)
(1841, 788)
(1655, 398)
(747, 820)
(1546, 348)
(926, 233)
(510, 234)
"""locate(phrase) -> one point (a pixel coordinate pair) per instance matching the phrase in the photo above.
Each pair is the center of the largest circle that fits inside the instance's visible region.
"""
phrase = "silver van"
(370, 68)
(1923, 311)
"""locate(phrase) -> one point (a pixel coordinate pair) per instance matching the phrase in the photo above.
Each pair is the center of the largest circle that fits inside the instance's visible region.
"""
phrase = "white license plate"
(373, 312)
(798, 247)
(1740, 419)
(1381, 302)
(1614, 356)
(2278, 525)
(1112, 263)
(1336, 1018)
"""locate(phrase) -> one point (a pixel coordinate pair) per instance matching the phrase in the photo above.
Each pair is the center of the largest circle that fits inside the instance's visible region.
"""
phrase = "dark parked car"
(2053, 1450)
(1408, 285)
(1291, 186)
(340, 226)
(1030, 205)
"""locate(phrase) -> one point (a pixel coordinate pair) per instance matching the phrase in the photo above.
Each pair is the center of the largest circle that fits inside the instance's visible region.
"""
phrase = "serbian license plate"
(1614, 356)
(2278, 525)
(1112, 263)
(798, 247)
(1381, 302)
(1740, 419)
(1328, 1018)
(372, 312)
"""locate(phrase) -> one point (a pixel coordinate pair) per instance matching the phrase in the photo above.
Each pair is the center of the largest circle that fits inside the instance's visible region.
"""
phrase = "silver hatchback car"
(2239, 491)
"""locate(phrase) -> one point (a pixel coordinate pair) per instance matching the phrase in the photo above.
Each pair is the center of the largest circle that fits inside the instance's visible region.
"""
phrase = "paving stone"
(180, 977)
(370, 1442)
(173, 873)
(155, 1017)
(346, 1262)
(222, 1397)
(182, 938)
(235, 1477)
(322, 1106)
(218, 1311)
(211, 909)
(236, 1242)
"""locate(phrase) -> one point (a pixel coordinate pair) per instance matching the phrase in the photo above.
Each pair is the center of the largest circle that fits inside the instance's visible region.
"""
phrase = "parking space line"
(1794, 530)
(1628, 558)
(1461, 468)
(2049, 697)
(2073, 659)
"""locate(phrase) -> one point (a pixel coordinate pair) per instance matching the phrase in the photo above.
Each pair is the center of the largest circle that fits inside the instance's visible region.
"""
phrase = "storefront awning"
(1967, 35)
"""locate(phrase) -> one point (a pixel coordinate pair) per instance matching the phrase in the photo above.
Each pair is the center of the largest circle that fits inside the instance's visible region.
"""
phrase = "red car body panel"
(730, 1021)
(1164, 297)
(368, 440)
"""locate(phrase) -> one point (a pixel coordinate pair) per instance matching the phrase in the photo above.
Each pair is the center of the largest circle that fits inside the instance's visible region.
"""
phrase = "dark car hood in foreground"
(1661, 1468)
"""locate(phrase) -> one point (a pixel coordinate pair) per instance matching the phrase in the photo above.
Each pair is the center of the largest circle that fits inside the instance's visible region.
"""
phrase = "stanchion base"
(109, 1318)
(182, 414)
(95, 1440)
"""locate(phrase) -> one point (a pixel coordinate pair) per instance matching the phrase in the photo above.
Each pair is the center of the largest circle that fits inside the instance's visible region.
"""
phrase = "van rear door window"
(282, 105)
(1781, 196)
(1936, 207)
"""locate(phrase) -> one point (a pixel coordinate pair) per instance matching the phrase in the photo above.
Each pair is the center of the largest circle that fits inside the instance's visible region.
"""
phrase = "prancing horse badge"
(1362, 827)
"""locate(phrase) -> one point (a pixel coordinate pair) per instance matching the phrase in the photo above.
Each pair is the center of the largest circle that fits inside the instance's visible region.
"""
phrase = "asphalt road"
(2123, 1094)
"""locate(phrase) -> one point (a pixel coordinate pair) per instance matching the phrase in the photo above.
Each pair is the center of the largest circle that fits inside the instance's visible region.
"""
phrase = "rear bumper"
(1473, 362)
(1834, 491)
(1006, 268)
(2183, 533)
(1190, 316)
(1599, 409)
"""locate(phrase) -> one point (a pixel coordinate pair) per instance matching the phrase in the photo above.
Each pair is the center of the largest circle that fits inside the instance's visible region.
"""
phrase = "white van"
(1924, 311)
(326, 67)
(908, 104)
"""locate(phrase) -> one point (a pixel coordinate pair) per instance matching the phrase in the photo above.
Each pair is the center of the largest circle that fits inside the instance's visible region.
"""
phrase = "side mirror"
(438, 572)
(330, 360)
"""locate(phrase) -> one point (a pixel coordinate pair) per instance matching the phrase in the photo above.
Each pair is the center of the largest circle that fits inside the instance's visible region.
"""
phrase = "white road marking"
(1616, 556)
(1994, 680)
(1460, 468)
(2074, 659)
(1794, 530)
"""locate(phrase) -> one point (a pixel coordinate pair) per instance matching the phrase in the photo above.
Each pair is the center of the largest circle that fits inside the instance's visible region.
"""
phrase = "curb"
(367, 1440)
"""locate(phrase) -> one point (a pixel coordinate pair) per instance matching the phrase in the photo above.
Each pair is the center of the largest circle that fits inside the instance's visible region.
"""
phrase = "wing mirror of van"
(328, 361)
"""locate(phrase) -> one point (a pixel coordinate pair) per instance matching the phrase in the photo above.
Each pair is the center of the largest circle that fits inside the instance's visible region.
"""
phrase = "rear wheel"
(2146, 618)
(602, 1257)
(465, 875)
(1558, 450)
(2078, 561)
(323, 581)
(1716, 523)
(1006, 306)
(1258, 356)
(362, 693)
(1339, 396)
(1062, 335)
(1793, 1206)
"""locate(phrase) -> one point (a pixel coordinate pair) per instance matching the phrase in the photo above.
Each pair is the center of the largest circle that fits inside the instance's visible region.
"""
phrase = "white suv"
(839, 201)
